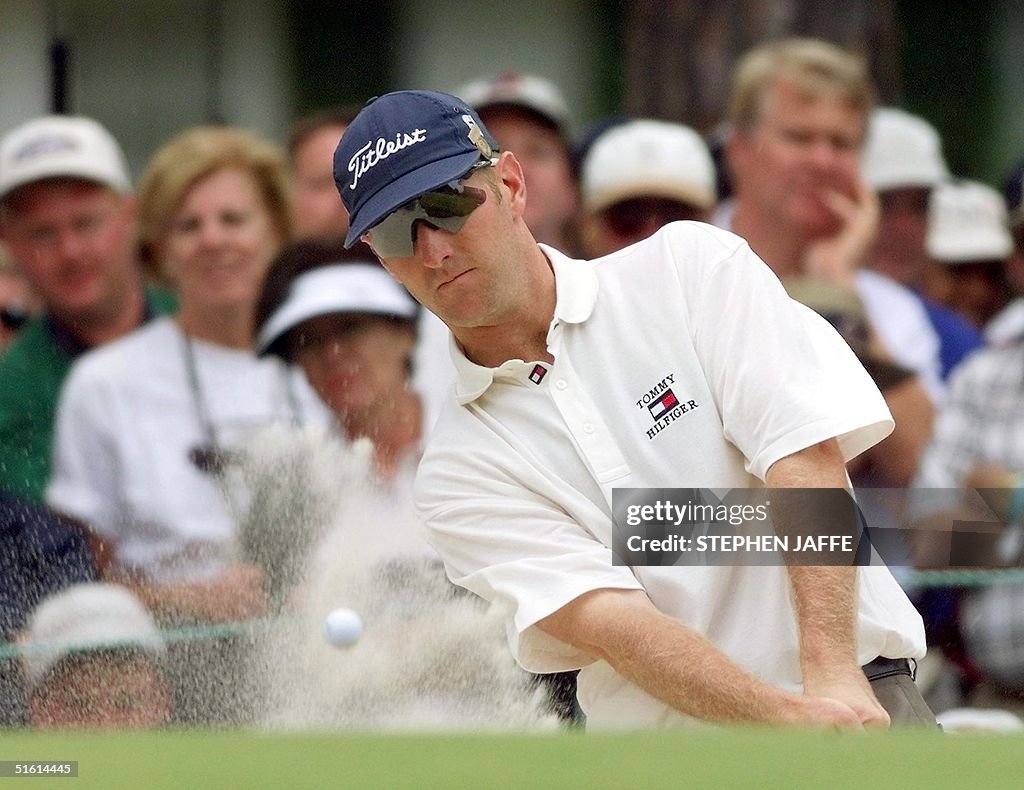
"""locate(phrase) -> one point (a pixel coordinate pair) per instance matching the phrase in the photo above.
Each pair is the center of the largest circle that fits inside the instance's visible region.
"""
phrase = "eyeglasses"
(630, 218)
(446, 208)
(13, 317)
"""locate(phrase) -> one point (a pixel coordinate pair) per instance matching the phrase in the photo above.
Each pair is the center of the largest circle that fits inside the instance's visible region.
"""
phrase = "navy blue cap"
(401, 145)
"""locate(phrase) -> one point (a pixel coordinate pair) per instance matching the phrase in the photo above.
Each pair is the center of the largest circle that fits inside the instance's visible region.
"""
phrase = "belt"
(887, 667)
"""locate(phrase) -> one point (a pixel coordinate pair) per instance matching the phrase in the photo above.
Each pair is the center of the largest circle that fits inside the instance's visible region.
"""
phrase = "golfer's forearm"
(667, 660)
(824, 598)
(687, 672)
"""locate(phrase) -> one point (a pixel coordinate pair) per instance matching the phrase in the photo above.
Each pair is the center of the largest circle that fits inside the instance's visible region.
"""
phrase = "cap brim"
(399, 192)
(72, 171)
(959, 248)
(541, 115)
(689, 194)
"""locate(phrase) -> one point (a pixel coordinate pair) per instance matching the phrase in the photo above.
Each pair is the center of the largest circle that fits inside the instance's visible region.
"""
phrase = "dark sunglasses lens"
(13, 318)
(443, 209)
(444, 204)
(392, 238)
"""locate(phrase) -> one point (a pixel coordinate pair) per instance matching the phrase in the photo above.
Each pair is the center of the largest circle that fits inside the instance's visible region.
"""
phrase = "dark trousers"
(892, 681)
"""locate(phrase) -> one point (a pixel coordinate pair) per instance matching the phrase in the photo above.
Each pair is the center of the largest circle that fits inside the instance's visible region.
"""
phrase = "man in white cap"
(969, 240)
(68, 217)
(640, 175)
(91, 660)
(529, 116)
(903, 163)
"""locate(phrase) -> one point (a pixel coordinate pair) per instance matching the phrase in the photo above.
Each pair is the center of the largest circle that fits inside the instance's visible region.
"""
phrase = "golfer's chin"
(463, 311)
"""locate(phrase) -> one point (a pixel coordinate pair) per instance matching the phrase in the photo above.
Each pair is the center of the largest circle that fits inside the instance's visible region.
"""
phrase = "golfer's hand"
(819, 713)
(853, 690)
(837, 257)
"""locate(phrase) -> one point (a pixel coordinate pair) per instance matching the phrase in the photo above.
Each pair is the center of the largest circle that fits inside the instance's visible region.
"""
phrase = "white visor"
(342, 288)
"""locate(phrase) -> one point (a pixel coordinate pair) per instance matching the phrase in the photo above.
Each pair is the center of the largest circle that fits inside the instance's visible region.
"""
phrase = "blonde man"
(799, 112)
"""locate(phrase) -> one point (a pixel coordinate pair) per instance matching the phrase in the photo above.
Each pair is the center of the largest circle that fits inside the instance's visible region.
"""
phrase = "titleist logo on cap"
(373, 152)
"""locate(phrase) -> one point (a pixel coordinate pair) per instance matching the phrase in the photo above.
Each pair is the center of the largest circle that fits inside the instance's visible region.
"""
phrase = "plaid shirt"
(983, 422)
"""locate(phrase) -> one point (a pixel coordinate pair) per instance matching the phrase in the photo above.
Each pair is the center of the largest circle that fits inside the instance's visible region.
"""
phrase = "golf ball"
(342, 627)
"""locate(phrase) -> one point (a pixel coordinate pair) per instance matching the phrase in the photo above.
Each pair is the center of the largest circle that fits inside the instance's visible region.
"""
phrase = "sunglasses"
(446, 208)
(630, 218)
(13, 317)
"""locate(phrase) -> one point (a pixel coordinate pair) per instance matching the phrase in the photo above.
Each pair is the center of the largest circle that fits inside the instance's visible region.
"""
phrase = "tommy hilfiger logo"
(538, 373)
(664, 405)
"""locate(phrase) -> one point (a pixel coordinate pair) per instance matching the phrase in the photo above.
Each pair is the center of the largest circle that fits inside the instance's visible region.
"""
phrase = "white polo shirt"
(516, 482)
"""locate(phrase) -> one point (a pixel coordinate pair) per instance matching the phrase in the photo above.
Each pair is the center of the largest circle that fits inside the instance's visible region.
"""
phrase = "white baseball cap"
(518, 90)
(967, 222)
(61, 146)
(339, 288)
(86, 617)
(902, 150)
(648, 158)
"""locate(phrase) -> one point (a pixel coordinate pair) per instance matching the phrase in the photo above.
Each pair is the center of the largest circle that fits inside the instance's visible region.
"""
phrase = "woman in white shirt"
(146, 425)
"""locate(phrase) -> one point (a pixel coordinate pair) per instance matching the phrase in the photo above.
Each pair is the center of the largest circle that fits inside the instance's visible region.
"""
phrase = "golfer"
(558, 362)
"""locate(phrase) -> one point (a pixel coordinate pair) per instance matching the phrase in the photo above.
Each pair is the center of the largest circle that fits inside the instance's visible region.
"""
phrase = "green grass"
(714, 759)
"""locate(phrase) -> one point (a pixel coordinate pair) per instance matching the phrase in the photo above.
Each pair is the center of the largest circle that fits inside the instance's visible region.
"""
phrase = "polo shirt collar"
(575, 297)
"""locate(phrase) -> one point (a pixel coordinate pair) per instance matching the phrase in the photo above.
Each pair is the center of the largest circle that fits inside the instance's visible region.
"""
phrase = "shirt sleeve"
(86, 479)
(782, 377)
(504, 539)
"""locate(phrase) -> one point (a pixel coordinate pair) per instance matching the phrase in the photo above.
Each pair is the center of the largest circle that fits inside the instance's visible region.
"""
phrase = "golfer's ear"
(510, 173)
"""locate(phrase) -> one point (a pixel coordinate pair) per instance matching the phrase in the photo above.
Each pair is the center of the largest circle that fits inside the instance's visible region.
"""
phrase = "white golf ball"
(342, 627)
